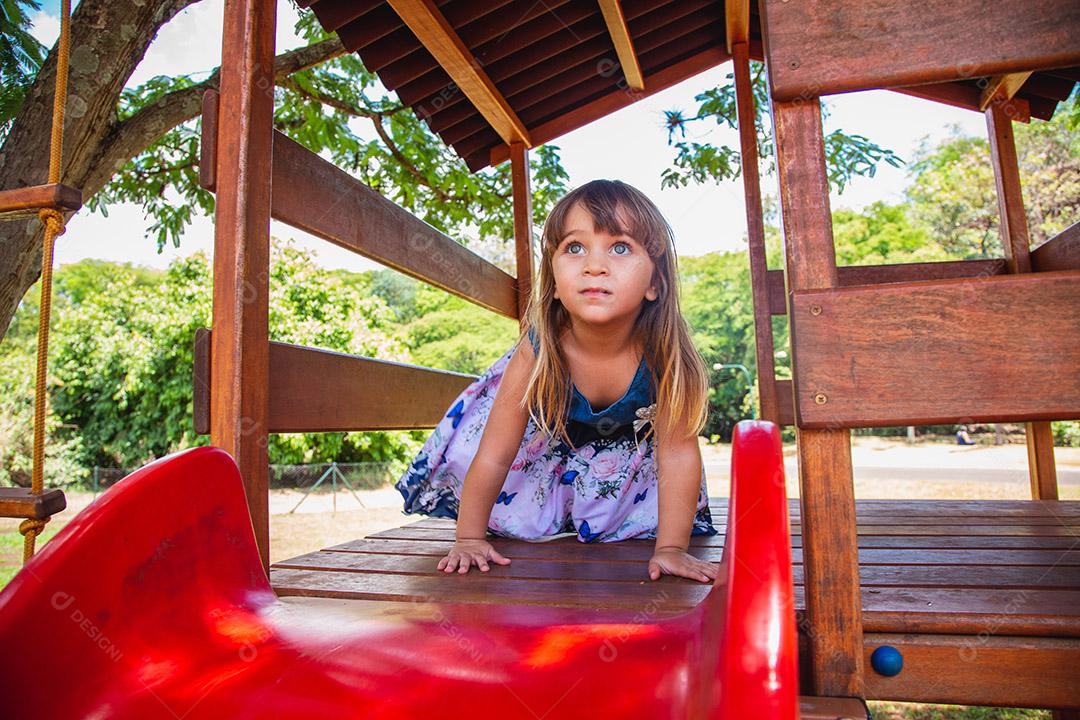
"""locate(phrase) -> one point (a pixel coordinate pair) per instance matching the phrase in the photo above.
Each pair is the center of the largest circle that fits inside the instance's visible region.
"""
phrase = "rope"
(53, 220)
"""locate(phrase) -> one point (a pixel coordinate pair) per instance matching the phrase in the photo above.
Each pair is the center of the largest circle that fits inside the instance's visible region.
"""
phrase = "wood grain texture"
(314, 390)
(524, 248)
(1016, 241)
(755, 227)
(624, 44)
(850, 275)
(239, 347)
(899, 354)
(19, 502)
(1061, 252)
(981, 670)
(326, 201)
(819, 47)
(827, 499)
(25, 202)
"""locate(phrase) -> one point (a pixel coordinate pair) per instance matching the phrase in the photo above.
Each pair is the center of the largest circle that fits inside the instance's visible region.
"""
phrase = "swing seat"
(153, 603)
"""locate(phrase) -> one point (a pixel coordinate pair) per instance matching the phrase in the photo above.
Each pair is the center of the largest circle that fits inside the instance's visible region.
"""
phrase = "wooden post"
(523, 240)
(755, 235)
(240, 338)
(827, 494)
(1016, 241)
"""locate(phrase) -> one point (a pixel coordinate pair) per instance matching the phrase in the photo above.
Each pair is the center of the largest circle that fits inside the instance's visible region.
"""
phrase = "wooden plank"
(200, 382)
(832, 709)
(618, 99)
(521, 190)
(736, 23)
(208, 133)
(240, 347)
(314, 390)
(827, 499)
(680, 593)
(861, 368)
(25, 202)
(624, 44)
(19, 502)
(1016, 242)
(851, 275)
(1001, 88)
(555, 565)
(755, 225)
(785, 402)
(1061, 252)
(963, 95)
(982, 670)
(437, 35)
(820, 48)
(326, 201)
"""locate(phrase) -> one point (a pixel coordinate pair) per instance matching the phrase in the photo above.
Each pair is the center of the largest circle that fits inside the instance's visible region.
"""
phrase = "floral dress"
(605, 490)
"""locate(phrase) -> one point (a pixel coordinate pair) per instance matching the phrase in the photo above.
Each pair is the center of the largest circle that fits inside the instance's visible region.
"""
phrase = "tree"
(141, 144)
(952, 192)
(846, 155)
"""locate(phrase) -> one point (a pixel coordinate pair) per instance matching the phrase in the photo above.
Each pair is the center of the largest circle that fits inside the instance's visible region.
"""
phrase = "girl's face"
(617, 265)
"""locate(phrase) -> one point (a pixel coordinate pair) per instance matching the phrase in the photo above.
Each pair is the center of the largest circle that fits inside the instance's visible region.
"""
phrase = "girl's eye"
(570, 247)
(623, 244)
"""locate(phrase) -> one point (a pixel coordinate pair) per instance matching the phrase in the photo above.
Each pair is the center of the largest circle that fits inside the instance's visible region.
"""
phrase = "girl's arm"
(678, 470)
(498, 447)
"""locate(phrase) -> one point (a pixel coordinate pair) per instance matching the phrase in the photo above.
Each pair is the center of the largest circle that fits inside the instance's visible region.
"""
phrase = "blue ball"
(887, 661)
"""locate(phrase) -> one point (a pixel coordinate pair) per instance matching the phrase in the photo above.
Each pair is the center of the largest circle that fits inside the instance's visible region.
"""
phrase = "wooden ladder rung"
(25, 202)
(19, 502)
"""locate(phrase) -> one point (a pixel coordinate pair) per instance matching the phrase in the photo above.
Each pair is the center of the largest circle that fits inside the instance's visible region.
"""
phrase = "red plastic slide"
(152, 603)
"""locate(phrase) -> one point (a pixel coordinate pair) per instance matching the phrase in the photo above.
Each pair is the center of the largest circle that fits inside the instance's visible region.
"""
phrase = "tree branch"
(131, 136)
(375, 116)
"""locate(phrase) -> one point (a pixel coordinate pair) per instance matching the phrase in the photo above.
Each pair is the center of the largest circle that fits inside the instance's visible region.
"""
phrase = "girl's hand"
(471, 551)
(676, 561)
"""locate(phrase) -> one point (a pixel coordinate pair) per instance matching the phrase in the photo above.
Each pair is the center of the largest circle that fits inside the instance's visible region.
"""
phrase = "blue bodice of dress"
(621, 412)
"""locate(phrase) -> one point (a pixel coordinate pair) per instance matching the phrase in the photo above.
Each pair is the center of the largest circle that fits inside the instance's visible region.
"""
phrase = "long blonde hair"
(682, 383)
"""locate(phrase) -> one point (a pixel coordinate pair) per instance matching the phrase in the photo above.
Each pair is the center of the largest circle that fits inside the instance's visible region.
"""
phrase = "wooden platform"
(990, 589)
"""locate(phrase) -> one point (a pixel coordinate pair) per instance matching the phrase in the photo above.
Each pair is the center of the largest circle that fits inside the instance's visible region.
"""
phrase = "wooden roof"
(528, 71)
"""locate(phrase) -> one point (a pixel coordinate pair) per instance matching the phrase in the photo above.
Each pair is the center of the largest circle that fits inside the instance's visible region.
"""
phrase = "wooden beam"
(19, 502)
(900, 354)
(618, 99)
(826, 498)
(1061, 252)
(326, 201)
(437, 35)
(239, 408)
(850, 275)
(313, 390)
(1012, 223)
(964, 96)
(736, 23)
(624, 44)
(984, 669)
(1002, 88)
(523, 225)
(755, 233)
(819, 47)
(25, 202)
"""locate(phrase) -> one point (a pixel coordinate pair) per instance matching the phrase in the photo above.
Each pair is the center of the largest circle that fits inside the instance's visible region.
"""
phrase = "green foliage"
(121, 363)
(453, 334)
(336, 109)
(846, 155)
(20, 57)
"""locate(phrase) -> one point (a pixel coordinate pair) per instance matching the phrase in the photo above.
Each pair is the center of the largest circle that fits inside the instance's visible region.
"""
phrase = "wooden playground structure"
(981, 598)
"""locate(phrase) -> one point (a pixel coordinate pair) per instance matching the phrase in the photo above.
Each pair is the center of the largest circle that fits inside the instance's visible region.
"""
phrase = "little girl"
(590, 425)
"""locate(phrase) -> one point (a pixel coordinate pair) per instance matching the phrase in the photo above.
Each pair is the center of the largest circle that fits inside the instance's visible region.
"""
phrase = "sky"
(705, 218)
